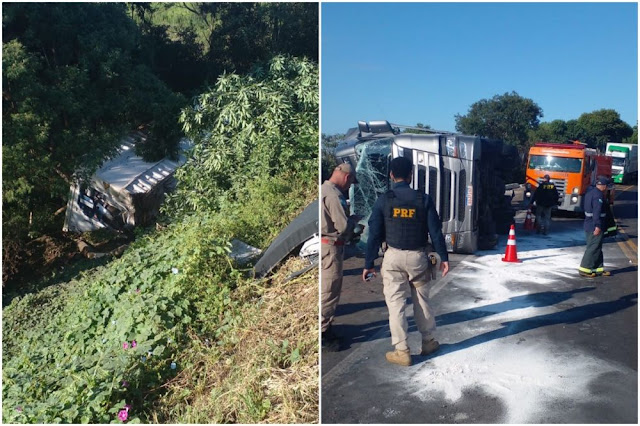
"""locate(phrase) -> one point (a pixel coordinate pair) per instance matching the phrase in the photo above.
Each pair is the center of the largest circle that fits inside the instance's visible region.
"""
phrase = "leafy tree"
(188, 44)
(594, 128)
(244, 33)
(249, 127)
(575, 131)
(72, 86)
(172, 52)
(328, 158)
(509, 117)
(634, 137)
(603, 126)
(554, 131)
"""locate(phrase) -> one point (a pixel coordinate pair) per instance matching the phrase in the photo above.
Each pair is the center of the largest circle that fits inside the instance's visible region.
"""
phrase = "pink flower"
(127, 407)
(125, 384)
(19, 408)
(133, 344)
(123, 415)
(137, 290)
(125, 345)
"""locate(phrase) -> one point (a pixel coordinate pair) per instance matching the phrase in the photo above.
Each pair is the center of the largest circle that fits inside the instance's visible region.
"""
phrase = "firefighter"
(545, 197)
(402, 217)
(595, 207)
(336, 229)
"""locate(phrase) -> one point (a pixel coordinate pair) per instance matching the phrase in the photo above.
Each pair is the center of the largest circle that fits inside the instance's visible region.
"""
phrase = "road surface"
(520, 343)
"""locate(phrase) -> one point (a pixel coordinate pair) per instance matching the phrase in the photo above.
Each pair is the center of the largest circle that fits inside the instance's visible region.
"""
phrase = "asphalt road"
(530, 342)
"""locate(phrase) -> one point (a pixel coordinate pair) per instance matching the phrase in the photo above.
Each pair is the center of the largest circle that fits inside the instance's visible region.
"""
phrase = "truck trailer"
(463, 174)
(625, 161)
(126, 191)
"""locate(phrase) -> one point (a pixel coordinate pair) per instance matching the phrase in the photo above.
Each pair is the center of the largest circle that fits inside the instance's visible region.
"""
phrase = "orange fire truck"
(572, 168)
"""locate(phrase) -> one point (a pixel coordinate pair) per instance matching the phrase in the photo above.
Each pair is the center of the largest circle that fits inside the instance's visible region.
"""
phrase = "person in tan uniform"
(336, 229)
(402, 218)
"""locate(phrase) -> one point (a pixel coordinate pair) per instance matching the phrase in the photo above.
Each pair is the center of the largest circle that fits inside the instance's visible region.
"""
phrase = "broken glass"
(373, 178)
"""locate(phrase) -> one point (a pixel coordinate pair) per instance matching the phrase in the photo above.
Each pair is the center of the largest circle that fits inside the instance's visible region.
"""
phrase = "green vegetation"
(190, 43)
(79, 76)
(173, 331)
(516, 120)
(507, 117)
(63, 355)
(73, 85)
(594, 128)
(327, 158)
(257, 126)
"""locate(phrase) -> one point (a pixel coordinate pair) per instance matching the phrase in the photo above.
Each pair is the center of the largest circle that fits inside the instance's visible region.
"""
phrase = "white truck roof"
(130, 172)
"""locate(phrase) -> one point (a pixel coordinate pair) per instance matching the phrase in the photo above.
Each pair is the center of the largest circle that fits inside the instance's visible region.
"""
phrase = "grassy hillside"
(173, 331)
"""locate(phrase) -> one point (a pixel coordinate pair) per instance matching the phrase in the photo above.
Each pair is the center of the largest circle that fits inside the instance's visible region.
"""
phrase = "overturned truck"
(465, 176)
(126, 191)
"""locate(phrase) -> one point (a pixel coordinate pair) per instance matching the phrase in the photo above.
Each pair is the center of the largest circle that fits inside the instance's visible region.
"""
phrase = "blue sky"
(426, 62)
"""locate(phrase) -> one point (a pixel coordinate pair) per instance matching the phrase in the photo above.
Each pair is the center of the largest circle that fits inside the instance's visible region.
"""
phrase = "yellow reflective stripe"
(599, 270)
(587, 270)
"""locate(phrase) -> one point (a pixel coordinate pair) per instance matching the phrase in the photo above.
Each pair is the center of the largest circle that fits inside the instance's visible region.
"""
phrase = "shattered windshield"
(556, 164)
(373, 176)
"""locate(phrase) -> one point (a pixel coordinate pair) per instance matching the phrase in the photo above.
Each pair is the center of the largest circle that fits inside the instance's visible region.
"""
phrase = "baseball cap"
(547, 177)
(346, 168)
(602, 180)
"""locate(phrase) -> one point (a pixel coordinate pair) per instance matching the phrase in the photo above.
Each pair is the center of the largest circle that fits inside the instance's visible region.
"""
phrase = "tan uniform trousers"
(404, 270)
(332, 259)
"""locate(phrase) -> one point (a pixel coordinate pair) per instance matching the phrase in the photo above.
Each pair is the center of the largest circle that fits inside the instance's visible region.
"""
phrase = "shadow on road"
(623, 270)
(350, 308)
(352, 334)
(536, 300)
(569, 316)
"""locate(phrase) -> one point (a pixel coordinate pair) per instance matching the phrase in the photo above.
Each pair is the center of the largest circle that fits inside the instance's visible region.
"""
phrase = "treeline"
(78, 76)
(516, 120)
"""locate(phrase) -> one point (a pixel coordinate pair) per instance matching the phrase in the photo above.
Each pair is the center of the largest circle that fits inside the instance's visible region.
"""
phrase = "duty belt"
(331, 242)
(423, 248)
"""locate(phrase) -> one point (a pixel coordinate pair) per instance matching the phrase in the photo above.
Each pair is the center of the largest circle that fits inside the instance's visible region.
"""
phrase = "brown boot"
(400, 357)
(429, 347)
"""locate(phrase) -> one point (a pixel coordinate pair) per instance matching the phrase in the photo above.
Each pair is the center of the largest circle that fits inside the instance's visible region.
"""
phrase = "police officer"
(403, 217)
(336, 229)
(545, 197)
(595, 207)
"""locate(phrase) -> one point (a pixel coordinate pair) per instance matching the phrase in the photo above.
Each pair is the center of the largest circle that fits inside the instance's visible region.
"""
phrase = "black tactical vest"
(405, 222)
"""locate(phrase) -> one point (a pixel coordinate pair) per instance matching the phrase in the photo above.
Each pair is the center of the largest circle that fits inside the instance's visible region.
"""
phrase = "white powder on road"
(526, 375)
(526, 378)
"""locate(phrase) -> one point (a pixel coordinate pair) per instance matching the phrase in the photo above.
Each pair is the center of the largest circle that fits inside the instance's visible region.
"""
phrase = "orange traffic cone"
(528, 223)
(511, 255)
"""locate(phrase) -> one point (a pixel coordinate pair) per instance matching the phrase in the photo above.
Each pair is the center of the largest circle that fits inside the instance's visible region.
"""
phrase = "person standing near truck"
(595, 207)
(403, 217)
(336, 229)
(545, 197)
